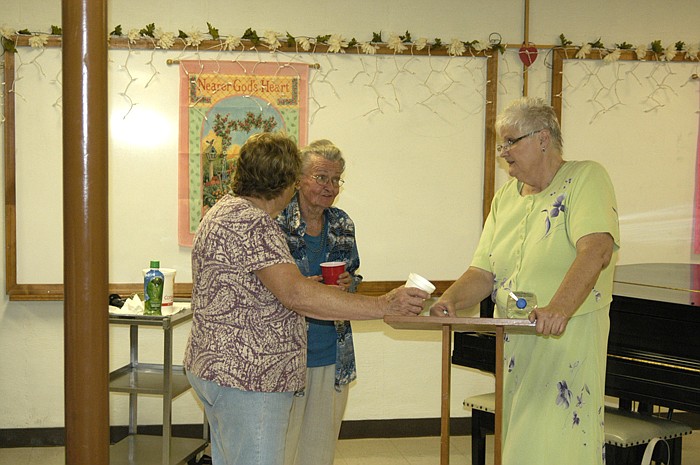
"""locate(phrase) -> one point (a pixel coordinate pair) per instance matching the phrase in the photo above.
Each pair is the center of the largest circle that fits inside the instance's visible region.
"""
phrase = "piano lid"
(677, 283)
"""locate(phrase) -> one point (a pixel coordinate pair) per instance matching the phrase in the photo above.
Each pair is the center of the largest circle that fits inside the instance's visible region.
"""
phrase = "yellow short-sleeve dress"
(554, 387)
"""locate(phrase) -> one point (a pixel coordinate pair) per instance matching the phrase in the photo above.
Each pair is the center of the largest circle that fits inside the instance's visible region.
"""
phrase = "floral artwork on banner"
(221, 105)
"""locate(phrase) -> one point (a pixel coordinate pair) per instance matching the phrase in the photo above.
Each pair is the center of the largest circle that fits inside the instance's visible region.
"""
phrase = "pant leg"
(316, 419)
(246, 428)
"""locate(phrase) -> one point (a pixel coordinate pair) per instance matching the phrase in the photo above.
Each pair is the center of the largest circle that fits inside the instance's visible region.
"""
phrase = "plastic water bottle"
(520, 304)
(153, 283)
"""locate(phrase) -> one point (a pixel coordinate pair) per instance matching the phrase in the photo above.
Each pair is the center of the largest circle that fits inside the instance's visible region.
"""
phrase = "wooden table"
(499, 326)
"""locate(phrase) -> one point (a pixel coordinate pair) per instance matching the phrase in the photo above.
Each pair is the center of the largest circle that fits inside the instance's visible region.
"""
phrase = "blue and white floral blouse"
(341, 246)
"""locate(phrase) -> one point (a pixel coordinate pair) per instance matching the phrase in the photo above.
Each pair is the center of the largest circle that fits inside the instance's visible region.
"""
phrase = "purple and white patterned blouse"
(242, 336)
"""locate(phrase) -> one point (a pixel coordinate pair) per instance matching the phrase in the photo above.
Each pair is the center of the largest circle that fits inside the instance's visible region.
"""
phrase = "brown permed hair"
(268, 164)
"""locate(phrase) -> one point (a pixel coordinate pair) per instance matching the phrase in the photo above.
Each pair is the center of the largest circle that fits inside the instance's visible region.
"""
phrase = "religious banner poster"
(221, 105)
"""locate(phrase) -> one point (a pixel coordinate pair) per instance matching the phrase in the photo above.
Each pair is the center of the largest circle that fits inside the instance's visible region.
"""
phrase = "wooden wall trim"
(490, 135)
(211, 45)
(183, 291)
(10, 188)
(55, 292)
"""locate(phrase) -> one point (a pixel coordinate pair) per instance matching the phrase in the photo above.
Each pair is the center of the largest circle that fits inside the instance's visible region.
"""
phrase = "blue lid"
(521, 303)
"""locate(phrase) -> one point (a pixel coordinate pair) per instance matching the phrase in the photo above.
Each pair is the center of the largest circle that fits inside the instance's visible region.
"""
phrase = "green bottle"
(153, 284)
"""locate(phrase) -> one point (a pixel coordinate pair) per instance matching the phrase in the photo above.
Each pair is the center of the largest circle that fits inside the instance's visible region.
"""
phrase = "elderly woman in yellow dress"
(552, 232)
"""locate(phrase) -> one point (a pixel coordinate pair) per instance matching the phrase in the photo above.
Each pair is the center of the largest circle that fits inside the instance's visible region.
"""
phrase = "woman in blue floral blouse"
(317, 232)
(552, 231)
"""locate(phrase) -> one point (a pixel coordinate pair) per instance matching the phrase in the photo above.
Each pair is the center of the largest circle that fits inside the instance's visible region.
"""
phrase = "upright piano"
(654, 342)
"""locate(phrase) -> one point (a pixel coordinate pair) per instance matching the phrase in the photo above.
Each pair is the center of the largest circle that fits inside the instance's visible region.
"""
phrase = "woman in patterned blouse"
(246, 354)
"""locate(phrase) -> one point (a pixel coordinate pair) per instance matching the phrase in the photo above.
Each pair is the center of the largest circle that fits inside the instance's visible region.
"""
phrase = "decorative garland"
(154, 38)
(610, 55)
(336, 43)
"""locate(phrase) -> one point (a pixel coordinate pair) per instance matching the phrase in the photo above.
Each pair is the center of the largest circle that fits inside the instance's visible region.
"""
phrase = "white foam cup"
(168, 287)
(416, 280)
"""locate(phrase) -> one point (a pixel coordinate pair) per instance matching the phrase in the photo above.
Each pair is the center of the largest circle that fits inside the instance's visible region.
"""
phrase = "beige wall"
(394, 365)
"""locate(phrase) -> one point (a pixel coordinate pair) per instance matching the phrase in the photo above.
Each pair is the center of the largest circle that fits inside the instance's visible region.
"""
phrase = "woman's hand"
(442, 308)
(344, 281)
(404, 300)
(549, 321)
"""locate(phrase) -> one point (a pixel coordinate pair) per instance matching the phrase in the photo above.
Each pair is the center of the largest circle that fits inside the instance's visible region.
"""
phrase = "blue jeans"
(246, 428)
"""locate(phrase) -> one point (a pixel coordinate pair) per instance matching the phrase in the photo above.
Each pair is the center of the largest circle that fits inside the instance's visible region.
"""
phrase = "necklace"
(322, 242)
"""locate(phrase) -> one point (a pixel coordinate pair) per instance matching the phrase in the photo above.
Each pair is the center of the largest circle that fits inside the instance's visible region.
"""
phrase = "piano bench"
(483, 423)
(626, 433)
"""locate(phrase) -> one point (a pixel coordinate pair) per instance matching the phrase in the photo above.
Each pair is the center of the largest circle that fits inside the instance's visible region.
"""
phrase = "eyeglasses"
(323, 180)
(507, 145)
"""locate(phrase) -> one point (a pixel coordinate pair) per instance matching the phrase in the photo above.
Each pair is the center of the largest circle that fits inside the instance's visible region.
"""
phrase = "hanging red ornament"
(528, 54)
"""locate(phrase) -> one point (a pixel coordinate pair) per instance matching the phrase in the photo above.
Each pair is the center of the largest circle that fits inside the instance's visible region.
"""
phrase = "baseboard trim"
(356, 429)
(351, 429)
(47, 437)
(402, 428)
(32, 437)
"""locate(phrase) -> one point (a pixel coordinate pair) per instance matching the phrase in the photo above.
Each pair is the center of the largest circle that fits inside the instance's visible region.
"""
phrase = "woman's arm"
(593, 255)
(470, 289)
(310, 298)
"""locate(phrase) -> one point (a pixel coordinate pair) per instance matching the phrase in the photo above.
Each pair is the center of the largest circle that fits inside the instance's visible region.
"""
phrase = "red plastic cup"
(331, 270)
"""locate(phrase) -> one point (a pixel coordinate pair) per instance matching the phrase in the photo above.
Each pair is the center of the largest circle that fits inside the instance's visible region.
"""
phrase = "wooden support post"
(85, 248)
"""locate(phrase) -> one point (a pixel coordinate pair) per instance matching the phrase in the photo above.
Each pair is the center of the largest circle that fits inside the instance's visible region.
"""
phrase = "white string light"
(324, 75)
(131, 80)
(611, 92)
(58, 103)
(439, 81)
(154, 70)
(659, 86)
(606, 76)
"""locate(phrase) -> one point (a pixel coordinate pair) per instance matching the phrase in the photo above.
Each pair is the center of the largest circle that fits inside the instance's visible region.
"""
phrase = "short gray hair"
(529, 114)
(322, 148)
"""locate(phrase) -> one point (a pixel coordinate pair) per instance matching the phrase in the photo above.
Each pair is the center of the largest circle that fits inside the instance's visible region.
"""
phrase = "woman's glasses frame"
(507, 145)
(323, 180)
